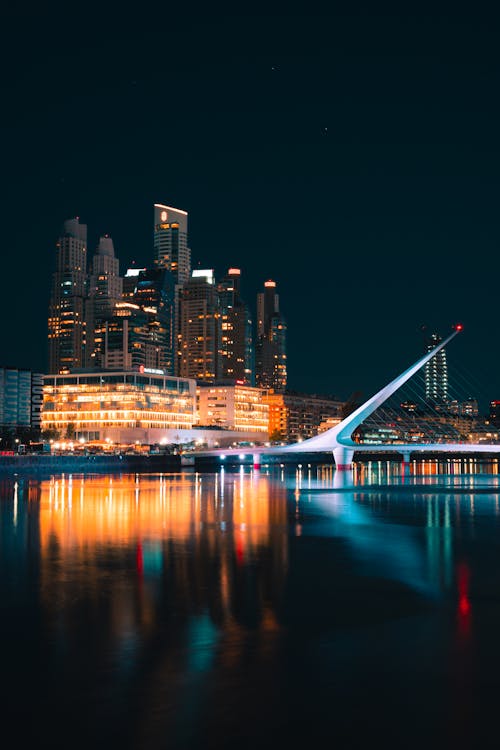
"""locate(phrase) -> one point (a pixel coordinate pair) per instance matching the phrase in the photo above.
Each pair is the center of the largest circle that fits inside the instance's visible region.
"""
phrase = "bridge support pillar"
(256, 461)
(406, 462)
(343, 458)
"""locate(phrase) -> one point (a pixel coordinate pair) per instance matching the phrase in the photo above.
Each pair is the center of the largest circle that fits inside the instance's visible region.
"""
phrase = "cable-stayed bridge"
(339, 439)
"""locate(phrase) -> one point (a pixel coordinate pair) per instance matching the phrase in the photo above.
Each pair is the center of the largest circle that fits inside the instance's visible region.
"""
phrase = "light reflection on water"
(199, 610)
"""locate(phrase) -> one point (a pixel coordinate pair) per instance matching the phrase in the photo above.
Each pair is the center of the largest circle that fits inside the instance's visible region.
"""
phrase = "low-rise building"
(123, 407)
(20, 400)
(298, 416)
(233, 406)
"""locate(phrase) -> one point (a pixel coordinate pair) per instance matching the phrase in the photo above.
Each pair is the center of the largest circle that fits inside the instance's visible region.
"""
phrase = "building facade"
(172, 253)
(436, 374)
(199, 327)
(236, 354)
(105, 290)
(233, 406)
(122, 407)
(66, 322)
(170, 241)
(270, 348)
(299, 416)
(21, 395)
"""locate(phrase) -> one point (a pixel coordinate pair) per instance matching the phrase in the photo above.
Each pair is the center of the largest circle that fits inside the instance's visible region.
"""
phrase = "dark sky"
(352, 156)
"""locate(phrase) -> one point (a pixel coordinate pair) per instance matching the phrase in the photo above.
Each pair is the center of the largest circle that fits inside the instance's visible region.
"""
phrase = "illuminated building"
(270, 350)
(125, 338)
(233, 406)
(170, 241)
(198, 330)
(122, 407)
(298, 416)
(495, 413)
(236, 358)
(436, 373)
(171, 252)
(138, 330)
(20, 399)
(467, 408)
(130, 282)
(105, 291)
(66, 323)
(155, 294)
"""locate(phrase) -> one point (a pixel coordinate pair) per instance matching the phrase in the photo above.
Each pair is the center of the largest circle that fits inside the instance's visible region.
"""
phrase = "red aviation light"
(458, 327)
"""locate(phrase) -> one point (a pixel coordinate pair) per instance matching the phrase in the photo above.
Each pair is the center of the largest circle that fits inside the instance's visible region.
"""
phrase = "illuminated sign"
(153, 371)
(163, 216)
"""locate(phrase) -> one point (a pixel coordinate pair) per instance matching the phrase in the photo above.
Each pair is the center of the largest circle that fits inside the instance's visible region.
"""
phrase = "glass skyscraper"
(270, 349)
(66, 323)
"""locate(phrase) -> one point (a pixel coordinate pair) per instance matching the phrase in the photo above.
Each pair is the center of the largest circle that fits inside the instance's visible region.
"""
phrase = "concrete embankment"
(48, 464)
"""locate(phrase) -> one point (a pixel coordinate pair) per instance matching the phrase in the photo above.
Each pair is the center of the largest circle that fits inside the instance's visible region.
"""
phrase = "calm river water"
(252, 609)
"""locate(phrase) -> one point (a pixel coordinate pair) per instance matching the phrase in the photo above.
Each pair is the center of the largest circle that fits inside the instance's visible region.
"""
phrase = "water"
(252, 609)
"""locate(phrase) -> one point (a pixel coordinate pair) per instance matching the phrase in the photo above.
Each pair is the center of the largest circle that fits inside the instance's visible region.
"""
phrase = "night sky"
(352, 156)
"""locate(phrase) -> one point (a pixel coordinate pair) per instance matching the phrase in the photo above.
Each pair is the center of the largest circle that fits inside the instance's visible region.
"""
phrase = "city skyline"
(359, 169)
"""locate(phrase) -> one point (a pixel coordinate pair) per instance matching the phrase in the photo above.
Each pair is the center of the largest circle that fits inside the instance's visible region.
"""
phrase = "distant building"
(199, 327)
(130, 282)
(233, 406)
(270, 348)
(298, 416)
(20, 399)
(495, 413)
(467, 408)
(235, 354)
(436, 373)
(105, 290)
(170, 241)
(172, 252)
(155, 294)
(66, 322)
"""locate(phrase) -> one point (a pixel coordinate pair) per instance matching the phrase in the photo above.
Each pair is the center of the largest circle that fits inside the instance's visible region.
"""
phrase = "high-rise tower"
(105, 291)
(170, 241)
(199, 327)
(270, 350)
(155, 294)
(66, 323)
(171, 252)
(436, 373)
(236, 357)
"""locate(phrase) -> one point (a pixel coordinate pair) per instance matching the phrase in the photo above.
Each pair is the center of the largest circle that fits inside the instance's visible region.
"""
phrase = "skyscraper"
(105, 291)
(270, 350)
(171, 251)
(436, 373)
(170, 241)
(66, 323)
(155, 294)
(235, 357)
(199, 327)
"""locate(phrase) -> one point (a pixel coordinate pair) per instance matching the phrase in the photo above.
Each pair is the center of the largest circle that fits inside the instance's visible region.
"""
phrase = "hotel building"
(120, 407)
